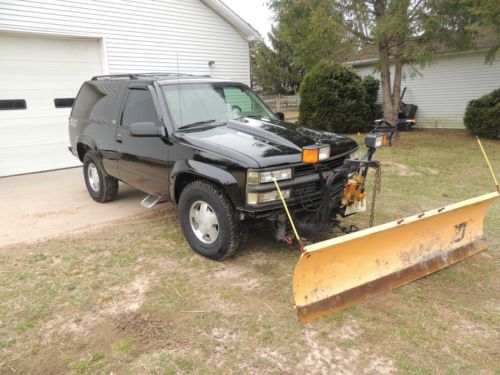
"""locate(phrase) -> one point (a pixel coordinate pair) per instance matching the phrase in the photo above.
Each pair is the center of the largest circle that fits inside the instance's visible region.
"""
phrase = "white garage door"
(36, 73)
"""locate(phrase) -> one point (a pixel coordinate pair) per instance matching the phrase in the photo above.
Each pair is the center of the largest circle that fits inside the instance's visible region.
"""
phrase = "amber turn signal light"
(310, 155)
(386, 140)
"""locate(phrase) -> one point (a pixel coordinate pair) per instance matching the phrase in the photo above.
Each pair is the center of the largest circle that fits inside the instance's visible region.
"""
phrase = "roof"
(369, 54)
(161, 77)
(243, 27)
(156, 76)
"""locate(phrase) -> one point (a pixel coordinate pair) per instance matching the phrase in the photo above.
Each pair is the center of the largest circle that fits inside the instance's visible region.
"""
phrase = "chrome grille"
(305, 169)
(306, 189)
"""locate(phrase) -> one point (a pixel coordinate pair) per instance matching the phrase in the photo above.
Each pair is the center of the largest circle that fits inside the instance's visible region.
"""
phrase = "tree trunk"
(390, 110)
(396, 90)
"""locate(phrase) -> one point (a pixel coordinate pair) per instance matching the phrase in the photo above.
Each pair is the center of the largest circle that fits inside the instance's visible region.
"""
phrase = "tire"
(198, 203)
(101, 187)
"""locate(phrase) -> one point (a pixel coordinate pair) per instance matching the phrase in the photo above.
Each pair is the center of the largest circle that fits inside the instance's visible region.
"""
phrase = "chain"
(376, 189)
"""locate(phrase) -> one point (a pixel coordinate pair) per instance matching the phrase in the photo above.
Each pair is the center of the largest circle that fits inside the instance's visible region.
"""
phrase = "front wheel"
(209, 221)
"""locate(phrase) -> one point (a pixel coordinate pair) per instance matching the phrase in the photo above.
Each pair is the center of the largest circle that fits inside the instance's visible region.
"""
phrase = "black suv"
(211, 146)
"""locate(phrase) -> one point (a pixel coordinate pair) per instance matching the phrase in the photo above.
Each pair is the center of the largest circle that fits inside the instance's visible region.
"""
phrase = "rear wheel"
(209, 221)
(101, 187)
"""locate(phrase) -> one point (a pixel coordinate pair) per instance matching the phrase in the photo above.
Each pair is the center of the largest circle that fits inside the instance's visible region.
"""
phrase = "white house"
(442, 89)
(49, 47)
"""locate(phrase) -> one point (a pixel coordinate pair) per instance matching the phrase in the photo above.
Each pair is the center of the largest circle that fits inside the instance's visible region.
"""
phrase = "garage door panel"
(34, 137)
(36, 119)
(59, 84)
(35, 49)
(39, 70)
(42, 105)
(63, 75)
(36, 158)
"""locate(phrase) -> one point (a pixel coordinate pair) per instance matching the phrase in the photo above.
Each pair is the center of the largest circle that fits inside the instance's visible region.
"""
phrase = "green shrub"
(482, 116)
(374, 110)
(332, 97)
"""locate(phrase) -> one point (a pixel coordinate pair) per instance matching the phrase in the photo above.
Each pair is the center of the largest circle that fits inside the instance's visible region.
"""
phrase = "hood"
(268, 142)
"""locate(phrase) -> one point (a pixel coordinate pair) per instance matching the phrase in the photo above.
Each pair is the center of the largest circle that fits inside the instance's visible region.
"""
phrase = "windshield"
(199, 104)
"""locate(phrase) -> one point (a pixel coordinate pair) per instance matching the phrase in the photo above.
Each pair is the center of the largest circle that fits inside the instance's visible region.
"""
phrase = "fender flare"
(89, 142)
(85, 140)
(210, 173)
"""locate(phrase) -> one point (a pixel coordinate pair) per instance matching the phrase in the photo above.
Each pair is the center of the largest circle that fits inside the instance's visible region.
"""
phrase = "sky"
(255, 12)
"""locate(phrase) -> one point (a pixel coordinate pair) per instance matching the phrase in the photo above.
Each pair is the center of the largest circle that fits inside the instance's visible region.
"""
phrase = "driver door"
(142, 161)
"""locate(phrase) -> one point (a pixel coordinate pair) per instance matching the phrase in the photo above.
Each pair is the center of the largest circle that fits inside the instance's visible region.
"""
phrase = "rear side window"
(139, 107)
(96, 101)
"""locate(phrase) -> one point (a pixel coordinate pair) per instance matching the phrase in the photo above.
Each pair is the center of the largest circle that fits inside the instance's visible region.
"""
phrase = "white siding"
(141, 36)
(442, 90)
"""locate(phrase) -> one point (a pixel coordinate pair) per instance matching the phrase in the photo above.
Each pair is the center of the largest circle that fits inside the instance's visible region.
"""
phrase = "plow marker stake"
(337, 273)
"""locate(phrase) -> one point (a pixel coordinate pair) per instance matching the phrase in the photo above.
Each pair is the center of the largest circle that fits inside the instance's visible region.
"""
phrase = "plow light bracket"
(313, 154)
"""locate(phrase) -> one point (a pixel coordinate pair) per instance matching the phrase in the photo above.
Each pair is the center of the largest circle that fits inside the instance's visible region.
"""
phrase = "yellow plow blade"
(337, 273)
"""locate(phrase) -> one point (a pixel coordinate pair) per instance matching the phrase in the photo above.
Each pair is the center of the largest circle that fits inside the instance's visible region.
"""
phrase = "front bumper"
(305, 189)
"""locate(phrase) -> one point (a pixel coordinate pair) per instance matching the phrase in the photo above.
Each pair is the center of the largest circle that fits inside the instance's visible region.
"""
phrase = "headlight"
(256, 178)
(265, 197)
(374, 140)
(324, 153)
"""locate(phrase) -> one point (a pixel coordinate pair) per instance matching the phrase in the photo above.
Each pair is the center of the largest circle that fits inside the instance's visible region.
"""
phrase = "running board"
(151, 200)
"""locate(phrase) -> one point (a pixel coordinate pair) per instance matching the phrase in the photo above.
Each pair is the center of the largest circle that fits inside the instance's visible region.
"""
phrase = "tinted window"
(220, 102)
(8, 104)
(139, 107)
(96, 101)
(64, 102)
(239, 99)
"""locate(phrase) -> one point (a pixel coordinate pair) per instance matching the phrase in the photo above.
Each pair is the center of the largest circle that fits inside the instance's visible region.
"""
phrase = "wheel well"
(82, 149)
(184, 179)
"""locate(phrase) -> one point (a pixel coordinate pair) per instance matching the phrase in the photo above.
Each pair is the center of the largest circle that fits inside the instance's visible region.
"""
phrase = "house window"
(64, 102)
(9, 104)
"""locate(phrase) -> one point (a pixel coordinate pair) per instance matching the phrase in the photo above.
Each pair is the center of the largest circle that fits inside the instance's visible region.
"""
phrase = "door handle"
(119, 138)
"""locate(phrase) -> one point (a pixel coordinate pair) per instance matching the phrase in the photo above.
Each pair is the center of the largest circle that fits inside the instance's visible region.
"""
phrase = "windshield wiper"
(195, 124)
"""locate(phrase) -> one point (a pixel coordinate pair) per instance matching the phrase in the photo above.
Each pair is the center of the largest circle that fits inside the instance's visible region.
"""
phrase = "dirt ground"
(130, 297)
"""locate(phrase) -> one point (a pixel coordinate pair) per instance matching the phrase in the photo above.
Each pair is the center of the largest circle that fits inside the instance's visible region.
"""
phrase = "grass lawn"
(131, 297)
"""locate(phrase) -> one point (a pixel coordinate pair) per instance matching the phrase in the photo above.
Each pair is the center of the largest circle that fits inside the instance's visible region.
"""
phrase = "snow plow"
(337, 273)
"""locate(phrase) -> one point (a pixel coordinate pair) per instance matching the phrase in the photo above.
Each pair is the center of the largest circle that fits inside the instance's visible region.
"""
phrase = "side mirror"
(146, 129)
(280, 116)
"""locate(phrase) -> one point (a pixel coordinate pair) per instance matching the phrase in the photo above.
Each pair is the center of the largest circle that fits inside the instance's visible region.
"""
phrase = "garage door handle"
(119, 138)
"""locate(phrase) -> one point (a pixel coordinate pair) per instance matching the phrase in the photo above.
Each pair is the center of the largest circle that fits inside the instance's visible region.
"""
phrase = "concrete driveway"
(46, 204)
